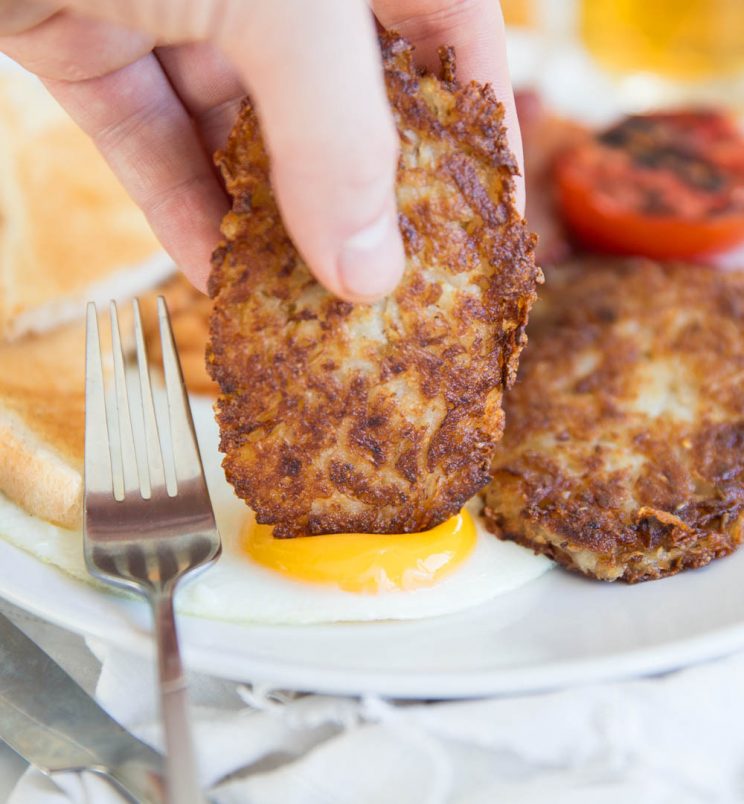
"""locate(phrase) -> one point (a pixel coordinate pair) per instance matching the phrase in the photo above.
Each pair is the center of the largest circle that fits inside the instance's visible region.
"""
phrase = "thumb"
(316, 79)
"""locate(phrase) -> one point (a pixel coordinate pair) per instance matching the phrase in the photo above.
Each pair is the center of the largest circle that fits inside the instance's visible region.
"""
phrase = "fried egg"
(317, 579)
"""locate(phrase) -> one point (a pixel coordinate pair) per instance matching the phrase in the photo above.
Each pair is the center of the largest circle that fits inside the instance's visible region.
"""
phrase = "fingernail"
(371, 261)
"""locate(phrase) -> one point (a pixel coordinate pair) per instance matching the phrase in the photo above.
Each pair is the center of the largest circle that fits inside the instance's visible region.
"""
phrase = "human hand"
(157, 85)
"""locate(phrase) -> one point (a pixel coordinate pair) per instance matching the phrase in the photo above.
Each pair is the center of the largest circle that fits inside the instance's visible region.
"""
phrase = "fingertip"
(371, 261)
(514, 137)
(197, 274)
(520, 196)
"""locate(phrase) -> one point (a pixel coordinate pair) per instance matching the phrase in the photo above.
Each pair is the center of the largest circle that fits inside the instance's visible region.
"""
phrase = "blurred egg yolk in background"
(366, 563)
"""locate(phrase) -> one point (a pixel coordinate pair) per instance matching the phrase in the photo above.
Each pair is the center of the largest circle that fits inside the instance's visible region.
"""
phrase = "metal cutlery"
(148, 517)
(47, 718)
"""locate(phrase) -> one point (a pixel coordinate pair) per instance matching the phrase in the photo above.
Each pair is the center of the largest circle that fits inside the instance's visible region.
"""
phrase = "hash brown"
(623, 457)
(375, 418)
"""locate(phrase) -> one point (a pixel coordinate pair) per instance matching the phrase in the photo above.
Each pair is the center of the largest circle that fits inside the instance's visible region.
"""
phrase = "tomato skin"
(628, 232)
(600, 204)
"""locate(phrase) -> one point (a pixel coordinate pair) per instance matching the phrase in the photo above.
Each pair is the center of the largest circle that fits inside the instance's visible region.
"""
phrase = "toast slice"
(42, 400)
(68, 230)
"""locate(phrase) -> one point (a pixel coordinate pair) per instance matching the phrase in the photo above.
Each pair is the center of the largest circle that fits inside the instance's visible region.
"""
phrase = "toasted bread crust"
(624, 451)
(381, 418)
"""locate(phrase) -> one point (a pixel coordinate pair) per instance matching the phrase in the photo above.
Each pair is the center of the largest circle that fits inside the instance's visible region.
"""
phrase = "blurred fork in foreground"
(148, 517)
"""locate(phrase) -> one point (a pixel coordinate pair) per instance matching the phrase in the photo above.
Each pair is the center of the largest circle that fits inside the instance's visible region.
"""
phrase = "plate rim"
(218, 660)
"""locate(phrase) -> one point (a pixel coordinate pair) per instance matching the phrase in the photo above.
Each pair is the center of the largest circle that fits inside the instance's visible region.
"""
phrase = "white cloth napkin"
(677, 738)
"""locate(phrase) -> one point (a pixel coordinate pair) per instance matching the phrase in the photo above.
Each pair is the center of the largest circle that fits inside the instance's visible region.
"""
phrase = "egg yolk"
(366, 563)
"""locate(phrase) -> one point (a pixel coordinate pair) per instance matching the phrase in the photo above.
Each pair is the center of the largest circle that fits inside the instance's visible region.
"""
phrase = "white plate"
(558, 630)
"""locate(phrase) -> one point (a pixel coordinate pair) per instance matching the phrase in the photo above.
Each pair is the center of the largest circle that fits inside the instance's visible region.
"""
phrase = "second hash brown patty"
(377, 418)
(624, 452)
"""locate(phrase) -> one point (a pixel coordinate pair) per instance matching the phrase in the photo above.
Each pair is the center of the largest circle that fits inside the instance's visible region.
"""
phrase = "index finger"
(476, 31)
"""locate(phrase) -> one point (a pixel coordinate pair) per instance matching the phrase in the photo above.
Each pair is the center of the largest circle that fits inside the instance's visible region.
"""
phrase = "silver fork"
(148, 517)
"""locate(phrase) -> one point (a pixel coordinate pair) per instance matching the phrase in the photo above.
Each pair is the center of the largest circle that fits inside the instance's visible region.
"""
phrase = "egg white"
(237, 589)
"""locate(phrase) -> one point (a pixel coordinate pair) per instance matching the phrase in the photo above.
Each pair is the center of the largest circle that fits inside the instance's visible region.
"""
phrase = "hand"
(157, 111)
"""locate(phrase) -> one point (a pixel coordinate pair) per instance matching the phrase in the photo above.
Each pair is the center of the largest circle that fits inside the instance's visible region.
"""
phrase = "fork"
(148, 518)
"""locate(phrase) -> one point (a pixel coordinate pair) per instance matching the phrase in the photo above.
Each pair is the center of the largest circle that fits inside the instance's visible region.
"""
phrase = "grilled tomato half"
(665, 185)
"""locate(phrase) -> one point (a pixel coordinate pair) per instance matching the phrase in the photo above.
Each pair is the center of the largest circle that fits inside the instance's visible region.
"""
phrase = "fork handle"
(182, 785)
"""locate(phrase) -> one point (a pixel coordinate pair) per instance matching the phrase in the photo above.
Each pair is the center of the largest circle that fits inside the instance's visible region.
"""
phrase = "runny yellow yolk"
(366, 563)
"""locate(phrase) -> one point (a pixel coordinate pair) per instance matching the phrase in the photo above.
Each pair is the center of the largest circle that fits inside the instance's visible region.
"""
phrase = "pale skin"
(157, 85)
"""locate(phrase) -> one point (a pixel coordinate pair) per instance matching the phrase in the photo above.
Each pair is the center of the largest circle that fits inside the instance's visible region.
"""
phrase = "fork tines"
(126, 452)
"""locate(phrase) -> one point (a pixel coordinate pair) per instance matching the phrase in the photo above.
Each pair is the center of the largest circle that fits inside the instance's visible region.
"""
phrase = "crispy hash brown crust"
(383, 418)
(624, 452)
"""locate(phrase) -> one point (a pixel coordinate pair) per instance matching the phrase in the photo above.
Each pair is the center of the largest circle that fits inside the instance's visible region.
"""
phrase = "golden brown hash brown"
(381, 418)
(624, 451)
